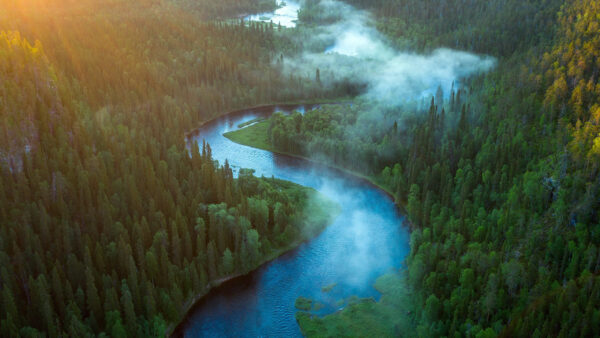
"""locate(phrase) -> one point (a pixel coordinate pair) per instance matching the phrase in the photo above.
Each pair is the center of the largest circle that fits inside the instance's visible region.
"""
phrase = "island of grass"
(254, 135)
(391, 316)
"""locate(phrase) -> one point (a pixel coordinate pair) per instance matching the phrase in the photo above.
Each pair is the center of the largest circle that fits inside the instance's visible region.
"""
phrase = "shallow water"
(367, 240)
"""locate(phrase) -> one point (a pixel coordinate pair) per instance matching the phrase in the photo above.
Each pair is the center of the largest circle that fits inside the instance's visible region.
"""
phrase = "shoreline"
(288, 104)
(370, 180)
(176, 330)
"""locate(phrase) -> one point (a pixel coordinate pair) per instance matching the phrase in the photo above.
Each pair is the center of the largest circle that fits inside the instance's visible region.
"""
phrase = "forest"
(112, 225)
(108, 226)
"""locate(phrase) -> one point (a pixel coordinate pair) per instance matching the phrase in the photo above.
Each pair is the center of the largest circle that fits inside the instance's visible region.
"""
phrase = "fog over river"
(367, 240)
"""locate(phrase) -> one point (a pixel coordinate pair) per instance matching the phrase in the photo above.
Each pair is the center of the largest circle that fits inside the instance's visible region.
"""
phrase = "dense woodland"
(499, 177)
(108, 226)
(107, 231)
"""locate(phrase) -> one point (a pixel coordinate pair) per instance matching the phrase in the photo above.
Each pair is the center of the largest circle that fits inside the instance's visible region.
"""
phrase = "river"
(286, 15)
(366, 240)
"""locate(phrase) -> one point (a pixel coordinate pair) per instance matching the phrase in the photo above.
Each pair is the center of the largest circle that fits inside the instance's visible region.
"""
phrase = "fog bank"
(357, 52)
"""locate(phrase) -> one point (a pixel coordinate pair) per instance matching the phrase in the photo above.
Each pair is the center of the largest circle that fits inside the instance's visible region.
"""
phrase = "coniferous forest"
(113, 224)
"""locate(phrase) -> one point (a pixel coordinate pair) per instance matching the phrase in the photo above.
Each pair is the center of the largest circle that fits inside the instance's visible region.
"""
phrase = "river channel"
(365, 241)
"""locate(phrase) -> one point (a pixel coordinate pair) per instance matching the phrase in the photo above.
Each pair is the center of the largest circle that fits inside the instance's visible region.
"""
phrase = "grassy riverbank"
(256, 136)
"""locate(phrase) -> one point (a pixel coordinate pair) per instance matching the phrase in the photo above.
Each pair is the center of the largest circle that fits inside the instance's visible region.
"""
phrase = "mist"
(356, 52)
(358, 242)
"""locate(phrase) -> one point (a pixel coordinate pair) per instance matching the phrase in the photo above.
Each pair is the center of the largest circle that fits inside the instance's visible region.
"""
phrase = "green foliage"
(496, 27)
(228, 262)
(225, 9)
(255, 136)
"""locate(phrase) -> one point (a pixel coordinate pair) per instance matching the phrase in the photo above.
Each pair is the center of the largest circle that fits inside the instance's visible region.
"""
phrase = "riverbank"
(319, 212)
(256, 136)
(284, 104)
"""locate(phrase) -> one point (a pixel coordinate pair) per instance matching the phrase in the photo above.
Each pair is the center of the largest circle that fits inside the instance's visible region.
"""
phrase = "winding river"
(366, 240)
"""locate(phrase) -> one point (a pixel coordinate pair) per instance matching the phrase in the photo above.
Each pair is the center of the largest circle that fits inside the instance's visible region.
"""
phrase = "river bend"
(366, 240)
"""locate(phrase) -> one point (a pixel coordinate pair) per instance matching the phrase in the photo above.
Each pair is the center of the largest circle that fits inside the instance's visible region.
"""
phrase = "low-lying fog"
(356, 51)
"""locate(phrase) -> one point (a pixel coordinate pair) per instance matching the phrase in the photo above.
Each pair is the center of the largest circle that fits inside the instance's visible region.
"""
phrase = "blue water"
(366, 240)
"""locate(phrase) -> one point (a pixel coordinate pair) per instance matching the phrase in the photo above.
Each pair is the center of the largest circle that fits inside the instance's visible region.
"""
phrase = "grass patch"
(255, 136)
(391, 316)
